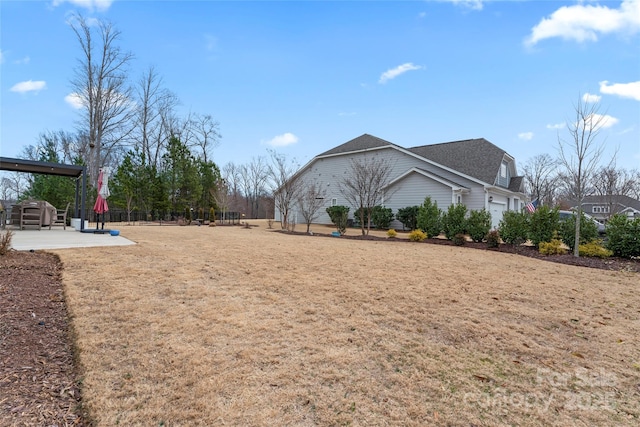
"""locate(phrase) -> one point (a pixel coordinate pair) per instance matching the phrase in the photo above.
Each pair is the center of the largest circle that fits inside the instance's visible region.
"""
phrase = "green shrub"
(594, 249)
(417, 236)
(459, 239)
(391, 233)
(356, 217)
(478, 224)
(553, 247)
(543, 224)
(514, 227)
(381, 216)
(339, 216)
(212, 214)
(187, 215)
(493, 239)
(408, 217)
(429, 218)
(623, 236)
(567, 229)
(454, 221)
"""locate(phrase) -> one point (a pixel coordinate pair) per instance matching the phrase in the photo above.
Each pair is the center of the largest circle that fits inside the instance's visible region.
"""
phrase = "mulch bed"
(611, 263)
(38, 378)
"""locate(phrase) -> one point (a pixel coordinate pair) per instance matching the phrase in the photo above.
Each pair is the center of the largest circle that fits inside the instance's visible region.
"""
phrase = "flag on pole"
(532, 206)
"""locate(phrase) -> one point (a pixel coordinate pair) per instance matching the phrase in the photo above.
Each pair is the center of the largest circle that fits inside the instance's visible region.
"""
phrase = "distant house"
(473, 172)
(603, 207)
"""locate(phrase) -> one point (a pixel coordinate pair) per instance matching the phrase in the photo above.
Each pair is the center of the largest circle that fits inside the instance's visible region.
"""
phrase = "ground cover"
(247, 326)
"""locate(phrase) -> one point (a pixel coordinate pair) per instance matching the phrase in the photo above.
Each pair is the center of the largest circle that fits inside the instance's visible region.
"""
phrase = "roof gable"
(474, 157)
(363, 142)
(615, 199)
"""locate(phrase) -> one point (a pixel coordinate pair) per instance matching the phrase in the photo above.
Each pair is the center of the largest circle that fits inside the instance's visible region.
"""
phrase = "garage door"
(496, 210)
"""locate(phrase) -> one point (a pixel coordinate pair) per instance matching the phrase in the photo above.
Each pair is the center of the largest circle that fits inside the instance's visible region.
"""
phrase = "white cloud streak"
(395, 72)
(470, 4)
(556, 126)
(91, 5)
(29, 86)
(74, 100)
(283, 140)
(590, 98)
(623, 90)
(525, 136)
(585, 22)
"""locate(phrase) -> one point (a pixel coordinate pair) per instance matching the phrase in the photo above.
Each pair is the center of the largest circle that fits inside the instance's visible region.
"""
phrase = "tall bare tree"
(541, 178)
(285, 186)
(581, 153)
(253, 179)
(222, 197)
(364, 186)
(310, 200)
(231, 174)
(206, 134)
(154, 103)
(100, 85)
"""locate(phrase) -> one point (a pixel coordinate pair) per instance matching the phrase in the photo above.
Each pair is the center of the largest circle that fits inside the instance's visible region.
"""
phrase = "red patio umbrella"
(101, 206)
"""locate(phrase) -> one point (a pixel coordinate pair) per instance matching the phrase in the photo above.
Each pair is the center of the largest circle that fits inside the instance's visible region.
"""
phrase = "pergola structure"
(58, 169)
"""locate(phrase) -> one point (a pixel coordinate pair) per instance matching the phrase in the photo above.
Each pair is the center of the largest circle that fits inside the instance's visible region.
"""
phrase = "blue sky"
(303, 77)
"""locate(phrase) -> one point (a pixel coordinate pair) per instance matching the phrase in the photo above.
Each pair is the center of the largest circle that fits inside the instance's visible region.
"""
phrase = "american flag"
(532, 206)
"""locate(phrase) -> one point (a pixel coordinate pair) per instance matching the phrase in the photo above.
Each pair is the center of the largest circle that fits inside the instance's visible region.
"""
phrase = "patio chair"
(31, 214)
(60, 218)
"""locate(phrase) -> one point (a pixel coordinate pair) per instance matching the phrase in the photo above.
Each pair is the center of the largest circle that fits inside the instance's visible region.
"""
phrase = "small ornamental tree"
(429, 218)
(478, 224)
(339, 216)
(408, 217)
(381, 217)
(514, 227)
(454, 221)
(544, 222)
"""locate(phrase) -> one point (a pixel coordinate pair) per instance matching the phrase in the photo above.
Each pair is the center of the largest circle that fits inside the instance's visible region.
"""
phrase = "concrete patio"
(26, 240)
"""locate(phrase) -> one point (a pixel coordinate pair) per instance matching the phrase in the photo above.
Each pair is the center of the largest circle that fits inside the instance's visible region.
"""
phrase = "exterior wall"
(409, 191)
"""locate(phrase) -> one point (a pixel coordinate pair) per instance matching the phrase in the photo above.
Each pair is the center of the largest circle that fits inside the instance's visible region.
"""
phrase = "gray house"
(604, 207)
(473, 172)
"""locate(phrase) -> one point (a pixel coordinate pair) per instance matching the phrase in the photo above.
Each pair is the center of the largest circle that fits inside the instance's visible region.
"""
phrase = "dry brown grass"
(237, 326)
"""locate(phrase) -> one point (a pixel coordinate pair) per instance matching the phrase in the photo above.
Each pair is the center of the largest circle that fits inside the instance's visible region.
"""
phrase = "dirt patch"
(38, 382)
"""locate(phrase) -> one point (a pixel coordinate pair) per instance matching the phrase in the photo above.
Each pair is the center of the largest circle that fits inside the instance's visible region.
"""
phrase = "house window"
(459, 199)
(334, 202)
(503, 170)
(601, 209)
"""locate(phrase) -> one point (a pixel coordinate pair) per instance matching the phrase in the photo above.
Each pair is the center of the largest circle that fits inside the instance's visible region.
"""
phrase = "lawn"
(247, 326)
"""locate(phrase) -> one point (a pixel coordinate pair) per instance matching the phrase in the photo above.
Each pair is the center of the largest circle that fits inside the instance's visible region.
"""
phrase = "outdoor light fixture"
(490, 198)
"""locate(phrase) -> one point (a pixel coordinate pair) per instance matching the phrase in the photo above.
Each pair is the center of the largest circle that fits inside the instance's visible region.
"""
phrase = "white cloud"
(624, 90)
(422, 15)
(526, 136)
(556, 126)
(584, 22)
(29, 86)
(395, 72)
(99, 5)
(283, 140)
(471, 4)
(590, 98)
(74, 100)
(601, 121)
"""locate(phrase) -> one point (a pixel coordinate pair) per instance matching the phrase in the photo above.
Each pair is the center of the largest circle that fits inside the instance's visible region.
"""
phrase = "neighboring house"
(473, 172)
(604, 207)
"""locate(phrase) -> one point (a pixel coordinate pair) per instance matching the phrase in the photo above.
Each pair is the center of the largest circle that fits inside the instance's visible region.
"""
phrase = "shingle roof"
(516, 184)
(623, 200)
(477, 158)
(363, 142)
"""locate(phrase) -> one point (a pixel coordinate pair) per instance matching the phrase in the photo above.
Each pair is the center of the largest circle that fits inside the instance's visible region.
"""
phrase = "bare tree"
(610, 183)
(541, 178)
(206, 134)
(221, 195)
(635, 190)
(13, 185)
(310, 200)
(231, 175)
(581, 154)
(253, 179)
(154, 103)
(364, 186)
(285, 186)
(100, 85)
